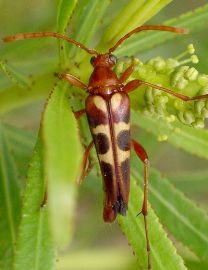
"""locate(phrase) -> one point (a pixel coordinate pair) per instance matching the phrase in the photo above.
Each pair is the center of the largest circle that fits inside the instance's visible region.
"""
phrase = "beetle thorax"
(103, 79)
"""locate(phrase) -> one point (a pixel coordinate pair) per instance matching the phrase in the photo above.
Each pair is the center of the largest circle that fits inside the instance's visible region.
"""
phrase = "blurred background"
(93, 240)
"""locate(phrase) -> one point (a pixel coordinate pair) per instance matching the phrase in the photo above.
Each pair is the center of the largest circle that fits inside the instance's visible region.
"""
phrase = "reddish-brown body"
(108, 113)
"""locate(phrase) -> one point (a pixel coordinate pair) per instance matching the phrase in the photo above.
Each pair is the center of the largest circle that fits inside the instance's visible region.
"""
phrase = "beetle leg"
(73, 80)
(126, 74)
(131, 86)
(85, 170)
(78, 114)
(141, 153)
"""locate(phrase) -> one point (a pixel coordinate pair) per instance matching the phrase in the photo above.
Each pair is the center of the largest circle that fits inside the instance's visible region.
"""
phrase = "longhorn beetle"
(108, 112)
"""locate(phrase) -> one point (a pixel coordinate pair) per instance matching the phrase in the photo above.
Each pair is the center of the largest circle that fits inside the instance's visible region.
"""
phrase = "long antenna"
(148, 27)
(49, 34)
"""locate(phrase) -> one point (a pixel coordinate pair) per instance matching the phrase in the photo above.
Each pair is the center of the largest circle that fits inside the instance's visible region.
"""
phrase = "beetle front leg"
(127, 73)
(141, 153)
(78, 114)
(85, 170)
(73, 80)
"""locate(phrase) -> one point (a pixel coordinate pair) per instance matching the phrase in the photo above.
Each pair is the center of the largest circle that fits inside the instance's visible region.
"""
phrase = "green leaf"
(194, 182)
(35, 249)
(163, 253)
(21, 143)
(88, 24)
(192, 140)
(65, 11)
(9, 203)
(195, 265)
(194, 20)
(187, 222)
(16, 97)
(62, 156)
(117, 259)
(14, 75)
(134, 14)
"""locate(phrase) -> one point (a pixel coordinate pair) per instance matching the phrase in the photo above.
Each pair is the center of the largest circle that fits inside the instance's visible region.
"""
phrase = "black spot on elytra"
(102, 143)
(106, 170)
(123, 140)
(125, 167)
(121, 116)
(95, 120)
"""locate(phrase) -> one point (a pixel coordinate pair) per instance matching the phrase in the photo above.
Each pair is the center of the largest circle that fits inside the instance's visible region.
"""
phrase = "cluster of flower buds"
(175, 74)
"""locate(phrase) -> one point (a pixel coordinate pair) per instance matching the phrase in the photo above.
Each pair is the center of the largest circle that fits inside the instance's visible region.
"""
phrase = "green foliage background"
(33, 155)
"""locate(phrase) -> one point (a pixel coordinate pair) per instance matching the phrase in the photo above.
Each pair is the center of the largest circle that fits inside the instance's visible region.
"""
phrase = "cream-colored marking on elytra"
(122, 155)
(107, 157)
(102, 129)
(116, 101)
(100, 103)
(120, 126)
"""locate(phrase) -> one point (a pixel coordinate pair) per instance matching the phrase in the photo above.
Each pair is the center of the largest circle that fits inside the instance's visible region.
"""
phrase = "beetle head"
(108, 60)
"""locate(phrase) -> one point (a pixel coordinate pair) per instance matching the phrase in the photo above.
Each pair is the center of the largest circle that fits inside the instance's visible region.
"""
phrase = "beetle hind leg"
(141, 153)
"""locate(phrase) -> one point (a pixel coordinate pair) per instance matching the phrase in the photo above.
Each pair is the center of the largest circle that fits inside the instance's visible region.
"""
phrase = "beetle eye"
(92, 60)
(113, 59)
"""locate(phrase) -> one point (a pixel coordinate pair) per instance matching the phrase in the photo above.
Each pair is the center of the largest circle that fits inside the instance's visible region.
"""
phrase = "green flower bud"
(182, 84)
(191, 74)
(149, 95)
(162, 137)
(179, 104)
(204, 112)
(188, 117)
(191, 48)
(199, 123)
(170, 119)
(171, 63)
(203, 79)
(206, 104)
(194, 59)
(199, 105)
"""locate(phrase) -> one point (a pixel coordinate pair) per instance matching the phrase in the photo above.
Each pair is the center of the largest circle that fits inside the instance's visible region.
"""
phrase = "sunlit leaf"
(163, 253)
(194, 20)
(9, 203)
(187, 222)
(65, 10)
(134, 14)
(34, 249)
(62, 156)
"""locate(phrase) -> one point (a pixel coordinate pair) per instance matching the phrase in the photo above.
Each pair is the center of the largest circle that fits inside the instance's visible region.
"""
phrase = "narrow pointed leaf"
(163, 253)
(16, 77)
(65, 10)
(16, 97)
(88, 24)
(194, 20)
(35, 249)
(134, 14)
(187, 222)
(62, 156)
(9, 203)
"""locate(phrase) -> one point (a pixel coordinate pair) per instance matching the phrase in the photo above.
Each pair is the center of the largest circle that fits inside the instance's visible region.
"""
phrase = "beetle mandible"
(108, 112)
